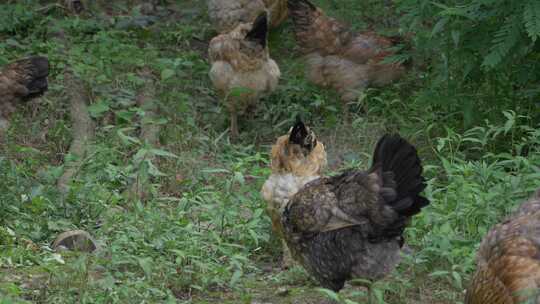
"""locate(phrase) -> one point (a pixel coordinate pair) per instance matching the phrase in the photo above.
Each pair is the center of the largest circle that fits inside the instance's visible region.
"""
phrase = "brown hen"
(242, 70)
(297, 158)
(350, 226)
(508, 261)
(337, 58)
(226, 15)
(22, 80)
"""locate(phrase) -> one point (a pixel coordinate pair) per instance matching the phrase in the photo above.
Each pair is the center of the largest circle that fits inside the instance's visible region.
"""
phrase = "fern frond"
(505, 39)
(531, 18)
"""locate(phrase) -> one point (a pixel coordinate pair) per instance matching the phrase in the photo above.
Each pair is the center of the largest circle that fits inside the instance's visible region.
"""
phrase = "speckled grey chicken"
(21, 80)
(350, 226)
(508, 261)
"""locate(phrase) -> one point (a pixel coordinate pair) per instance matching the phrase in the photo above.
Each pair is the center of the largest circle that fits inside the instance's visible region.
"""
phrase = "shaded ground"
(274, 286)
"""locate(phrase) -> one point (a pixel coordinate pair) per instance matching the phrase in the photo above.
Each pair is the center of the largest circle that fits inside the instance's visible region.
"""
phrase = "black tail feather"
(259, 31)
(394, 154)
(39, 70)
(301, 135)
(40, 66)
(299, 132)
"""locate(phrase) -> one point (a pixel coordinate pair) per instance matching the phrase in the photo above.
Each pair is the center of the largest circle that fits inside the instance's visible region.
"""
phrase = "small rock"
(267, 268)
(283, 291)
(77, 240)
(148, 8)
(4, 124)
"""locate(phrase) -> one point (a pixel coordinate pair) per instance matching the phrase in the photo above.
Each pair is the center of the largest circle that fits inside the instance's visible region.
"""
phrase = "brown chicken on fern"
(338, 58)
(350, 226)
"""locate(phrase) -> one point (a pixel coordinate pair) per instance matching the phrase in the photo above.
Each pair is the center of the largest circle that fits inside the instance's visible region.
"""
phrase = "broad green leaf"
(160, 152)
(166, 74)
(97, 109)
(146, 265)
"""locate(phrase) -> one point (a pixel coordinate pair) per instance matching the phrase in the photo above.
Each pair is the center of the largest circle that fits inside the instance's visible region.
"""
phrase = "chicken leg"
(370, 294)
(234, 126)
(287, 261)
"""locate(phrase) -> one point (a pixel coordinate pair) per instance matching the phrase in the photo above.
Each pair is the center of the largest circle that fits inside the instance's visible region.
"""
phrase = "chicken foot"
(287, 260)
(234, 125)
(369, 286)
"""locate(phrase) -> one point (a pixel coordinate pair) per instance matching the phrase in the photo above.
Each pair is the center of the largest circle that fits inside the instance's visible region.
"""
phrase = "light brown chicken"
(21, 80)
(336, 57)
(242, 70)
(297, 158)
(508, 261)
(226, 15)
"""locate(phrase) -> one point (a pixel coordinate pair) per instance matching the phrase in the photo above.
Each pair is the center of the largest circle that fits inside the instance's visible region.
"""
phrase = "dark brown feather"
(508, 261)
(22, 80)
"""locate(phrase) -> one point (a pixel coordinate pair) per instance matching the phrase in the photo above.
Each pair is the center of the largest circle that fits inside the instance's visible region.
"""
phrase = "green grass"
(203, 236)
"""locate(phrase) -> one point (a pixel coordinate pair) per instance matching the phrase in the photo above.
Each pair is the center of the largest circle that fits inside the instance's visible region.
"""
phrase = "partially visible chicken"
(74, 6)
(337, 58)
(508, 261)
(350, 226)
(242, 70)
(22, 80)
(226, 15)
(297, 158)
